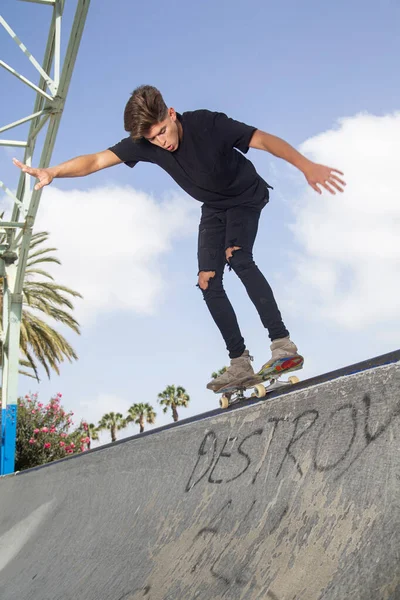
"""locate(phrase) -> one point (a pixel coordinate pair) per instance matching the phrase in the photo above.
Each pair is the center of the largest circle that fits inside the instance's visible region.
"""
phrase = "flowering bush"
(44, 432)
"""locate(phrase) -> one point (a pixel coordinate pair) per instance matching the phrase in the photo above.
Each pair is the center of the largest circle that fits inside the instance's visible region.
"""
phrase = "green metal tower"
(50, 95)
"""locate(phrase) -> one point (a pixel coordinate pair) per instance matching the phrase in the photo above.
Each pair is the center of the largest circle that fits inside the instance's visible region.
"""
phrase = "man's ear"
(172, 114)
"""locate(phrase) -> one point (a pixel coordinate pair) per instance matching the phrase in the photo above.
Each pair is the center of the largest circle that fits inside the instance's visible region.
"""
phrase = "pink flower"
(62, 444)
(29, 400)
(87, 440)
(32, 441)
(59, 395)
(33, 412)
(85, 426)
(45, 429)
(36, 430)
(70, 451)
(40, 405)
(26, 396)
(47, 445)
(72, 445)
(83, 448)
(63, 435)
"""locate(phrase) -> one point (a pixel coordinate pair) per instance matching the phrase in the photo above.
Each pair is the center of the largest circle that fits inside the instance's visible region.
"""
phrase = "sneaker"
(283, 350)
(239, 369)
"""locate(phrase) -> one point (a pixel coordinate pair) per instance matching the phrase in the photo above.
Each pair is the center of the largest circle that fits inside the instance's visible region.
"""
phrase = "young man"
(199, 149)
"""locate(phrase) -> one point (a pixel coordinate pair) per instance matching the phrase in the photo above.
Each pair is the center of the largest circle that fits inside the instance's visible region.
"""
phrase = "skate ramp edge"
(292, 498)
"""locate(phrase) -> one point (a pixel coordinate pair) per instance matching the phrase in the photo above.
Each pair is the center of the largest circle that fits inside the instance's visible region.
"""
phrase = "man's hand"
(319, 175)
(44, 176)
(316, 175)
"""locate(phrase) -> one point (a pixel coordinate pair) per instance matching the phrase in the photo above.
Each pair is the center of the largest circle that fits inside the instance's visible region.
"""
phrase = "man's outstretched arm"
(314, 173)
(76, 167)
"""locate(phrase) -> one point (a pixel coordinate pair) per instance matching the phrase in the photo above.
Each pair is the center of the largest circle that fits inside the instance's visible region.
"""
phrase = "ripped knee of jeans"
(229, 252)
(240, 260)
(204, 278)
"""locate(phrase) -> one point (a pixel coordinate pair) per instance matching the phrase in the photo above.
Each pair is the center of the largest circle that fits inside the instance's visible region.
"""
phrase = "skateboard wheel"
(293, 379)
(224, 402)
(260, 391)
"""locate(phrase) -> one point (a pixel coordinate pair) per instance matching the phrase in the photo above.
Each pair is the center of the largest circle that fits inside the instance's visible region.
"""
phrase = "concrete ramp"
(293, 498)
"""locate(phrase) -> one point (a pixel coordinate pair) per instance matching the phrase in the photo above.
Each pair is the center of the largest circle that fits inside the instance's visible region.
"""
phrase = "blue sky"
(319, 75)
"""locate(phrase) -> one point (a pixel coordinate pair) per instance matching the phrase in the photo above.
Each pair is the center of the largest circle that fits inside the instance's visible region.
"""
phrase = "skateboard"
(236, 393)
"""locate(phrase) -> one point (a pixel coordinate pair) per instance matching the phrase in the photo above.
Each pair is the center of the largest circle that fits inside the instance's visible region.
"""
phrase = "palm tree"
(113, 422)
(92, 433)
(39, 342)
(172, 397)
(139, 413)
(85, 431)
(88, 430)
(216, 374)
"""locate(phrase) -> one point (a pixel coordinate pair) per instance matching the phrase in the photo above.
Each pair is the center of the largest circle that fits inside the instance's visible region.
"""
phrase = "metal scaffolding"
(50, 92)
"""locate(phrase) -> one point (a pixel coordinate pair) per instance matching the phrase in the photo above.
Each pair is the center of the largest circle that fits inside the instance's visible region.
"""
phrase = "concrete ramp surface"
(292, 498)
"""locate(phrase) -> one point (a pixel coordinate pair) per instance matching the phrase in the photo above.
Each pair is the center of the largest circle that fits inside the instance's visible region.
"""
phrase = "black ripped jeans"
(220, 229)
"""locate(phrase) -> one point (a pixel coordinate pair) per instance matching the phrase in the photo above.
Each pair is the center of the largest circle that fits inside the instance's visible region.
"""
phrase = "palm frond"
(39, 272)
(38, 238)
(48, 259)
(41, 252)
(56, 313)
(48, 346)
(40, 343)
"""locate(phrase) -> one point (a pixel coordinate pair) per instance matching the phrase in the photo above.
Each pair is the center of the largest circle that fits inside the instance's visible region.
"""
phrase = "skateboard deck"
(261, 385)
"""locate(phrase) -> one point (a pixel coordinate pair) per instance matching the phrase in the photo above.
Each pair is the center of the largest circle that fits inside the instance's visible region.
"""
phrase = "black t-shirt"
(206, 164)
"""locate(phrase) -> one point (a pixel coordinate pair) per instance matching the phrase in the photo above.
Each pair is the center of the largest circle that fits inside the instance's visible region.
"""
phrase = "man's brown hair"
(145, 108)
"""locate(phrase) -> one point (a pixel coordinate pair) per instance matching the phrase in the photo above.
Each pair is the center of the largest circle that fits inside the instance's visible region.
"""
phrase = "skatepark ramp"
(293, 498)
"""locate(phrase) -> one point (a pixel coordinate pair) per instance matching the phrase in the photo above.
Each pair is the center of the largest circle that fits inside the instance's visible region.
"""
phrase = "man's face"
(165, 134)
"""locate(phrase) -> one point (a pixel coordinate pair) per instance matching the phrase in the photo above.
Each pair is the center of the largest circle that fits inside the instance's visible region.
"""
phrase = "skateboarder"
(203, 151)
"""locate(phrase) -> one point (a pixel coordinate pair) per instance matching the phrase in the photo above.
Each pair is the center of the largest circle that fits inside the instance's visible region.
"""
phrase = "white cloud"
(103, 404)
(111, 241)
(97, 408)
(348, 264)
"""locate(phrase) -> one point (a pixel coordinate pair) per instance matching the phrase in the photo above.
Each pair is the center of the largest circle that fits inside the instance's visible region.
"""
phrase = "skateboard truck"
(260, 390)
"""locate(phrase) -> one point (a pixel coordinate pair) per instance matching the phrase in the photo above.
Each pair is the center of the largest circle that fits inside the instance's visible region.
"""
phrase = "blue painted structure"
(8, 439)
